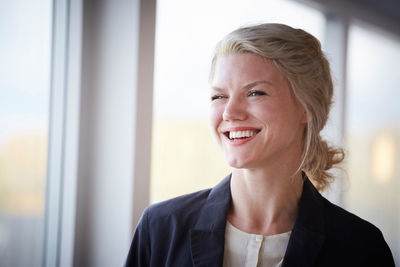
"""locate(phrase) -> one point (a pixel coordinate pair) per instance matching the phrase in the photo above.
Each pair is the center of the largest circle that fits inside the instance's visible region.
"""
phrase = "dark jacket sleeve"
(380, 255)
(139, 252)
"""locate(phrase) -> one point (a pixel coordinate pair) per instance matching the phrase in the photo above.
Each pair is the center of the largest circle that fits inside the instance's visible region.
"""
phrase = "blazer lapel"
(308, 233)
(207, 247)
(207, 238)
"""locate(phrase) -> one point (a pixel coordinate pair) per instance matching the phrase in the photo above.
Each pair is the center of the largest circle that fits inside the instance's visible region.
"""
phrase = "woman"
(270, 98)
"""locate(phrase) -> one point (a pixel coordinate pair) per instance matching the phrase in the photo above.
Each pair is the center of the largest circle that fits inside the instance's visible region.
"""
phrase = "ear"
(306, 117)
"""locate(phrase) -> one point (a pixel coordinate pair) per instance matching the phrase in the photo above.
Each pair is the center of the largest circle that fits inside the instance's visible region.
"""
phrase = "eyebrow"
(247, 86)
(253, 84)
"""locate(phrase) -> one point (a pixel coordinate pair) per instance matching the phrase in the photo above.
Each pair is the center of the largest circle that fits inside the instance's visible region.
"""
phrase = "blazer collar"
(207, 238)
(308, 233)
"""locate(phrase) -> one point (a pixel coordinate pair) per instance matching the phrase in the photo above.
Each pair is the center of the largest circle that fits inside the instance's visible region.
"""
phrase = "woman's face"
(253, 114)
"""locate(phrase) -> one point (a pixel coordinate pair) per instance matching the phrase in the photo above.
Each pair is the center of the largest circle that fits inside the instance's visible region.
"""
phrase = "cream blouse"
(250, 250)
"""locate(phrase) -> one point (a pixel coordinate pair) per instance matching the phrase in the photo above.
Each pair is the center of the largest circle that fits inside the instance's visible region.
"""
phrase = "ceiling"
(384, 14)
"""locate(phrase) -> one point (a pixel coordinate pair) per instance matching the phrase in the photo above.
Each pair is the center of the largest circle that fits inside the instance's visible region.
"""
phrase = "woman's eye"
(256, 93)
(216, 97)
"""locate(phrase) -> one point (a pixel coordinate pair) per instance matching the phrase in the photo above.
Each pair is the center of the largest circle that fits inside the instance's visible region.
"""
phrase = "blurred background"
(104, 110)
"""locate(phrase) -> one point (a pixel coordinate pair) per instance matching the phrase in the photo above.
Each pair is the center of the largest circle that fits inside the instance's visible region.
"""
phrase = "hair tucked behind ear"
(299, 57)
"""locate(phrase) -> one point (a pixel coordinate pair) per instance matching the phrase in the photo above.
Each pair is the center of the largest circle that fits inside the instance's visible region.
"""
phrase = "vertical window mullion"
(335, 46)
(56, 134)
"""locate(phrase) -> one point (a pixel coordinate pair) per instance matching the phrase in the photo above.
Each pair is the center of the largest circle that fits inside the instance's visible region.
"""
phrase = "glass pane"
(184, 155)
(25, 39)
(373, 131)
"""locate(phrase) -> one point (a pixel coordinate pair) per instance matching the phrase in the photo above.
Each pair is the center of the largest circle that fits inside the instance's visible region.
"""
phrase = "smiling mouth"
(240, 135)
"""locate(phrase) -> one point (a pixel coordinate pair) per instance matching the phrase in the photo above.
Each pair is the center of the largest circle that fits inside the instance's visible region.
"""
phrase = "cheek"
(264, 113)
(215, 117)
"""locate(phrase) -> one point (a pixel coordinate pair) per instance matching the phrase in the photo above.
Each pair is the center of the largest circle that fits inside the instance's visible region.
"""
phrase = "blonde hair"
(298, 55)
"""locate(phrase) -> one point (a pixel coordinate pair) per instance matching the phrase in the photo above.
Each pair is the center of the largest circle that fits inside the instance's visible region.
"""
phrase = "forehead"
(243, 68)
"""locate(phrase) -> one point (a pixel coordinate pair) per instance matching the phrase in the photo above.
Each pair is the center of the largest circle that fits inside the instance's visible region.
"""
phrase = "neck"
(265, 202)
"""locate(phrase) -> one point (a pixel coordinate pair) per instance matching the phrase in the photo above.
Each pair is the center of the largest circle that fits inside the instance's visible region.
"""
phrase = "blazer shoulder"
(339, 219)
(181, 207)
(357, 236)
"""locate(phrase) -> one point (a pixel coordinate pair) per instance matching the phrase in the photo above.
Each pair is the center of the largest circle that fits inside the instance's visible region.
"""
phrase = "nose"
(234, 110)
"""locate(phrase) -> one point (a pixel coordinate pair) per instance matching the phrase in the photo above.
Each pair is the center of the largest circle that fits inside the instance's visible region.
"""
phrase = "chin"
(238, 164)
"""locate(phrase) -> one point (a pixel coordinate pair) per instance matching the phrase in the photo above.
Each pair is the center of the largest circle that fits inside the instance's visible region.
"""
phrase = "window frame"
(63, 133)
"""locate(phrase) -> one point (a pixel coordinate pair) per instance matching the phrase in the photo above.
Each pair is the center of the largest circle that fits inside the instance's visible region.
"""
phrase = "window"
(25, 43)
(373, 131)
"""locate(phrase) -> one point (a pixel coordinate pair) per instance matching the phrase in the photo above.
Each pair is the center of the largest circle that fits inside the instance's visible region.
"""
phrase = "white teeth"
(241, 134)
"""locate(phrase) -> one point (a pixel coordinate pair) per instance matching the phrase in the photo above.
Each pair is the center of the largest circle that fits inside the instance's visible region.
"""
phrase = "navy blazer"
(190, 231)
